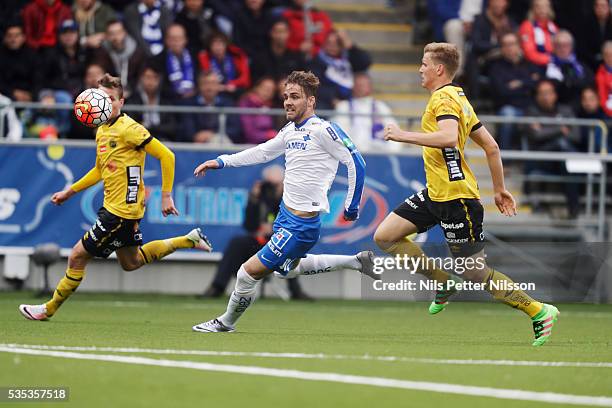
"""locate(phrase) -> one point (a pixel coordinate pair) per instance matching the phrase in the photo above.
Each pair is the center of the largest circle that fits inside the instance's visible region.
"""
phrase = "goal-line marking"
(500, 393)
(318, 356)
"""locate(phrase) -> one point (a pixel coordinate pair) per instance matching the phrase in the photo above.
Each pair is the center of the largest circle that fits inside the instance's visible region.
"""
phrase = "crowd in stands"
(515, 50)
(208, 53)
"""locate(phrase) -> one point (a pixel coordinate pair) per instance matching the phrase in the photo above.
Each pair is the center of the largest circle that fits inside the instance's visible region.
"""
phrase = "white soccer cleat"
(34, 312)
(366, 259)
(213, 326)
(200, 240)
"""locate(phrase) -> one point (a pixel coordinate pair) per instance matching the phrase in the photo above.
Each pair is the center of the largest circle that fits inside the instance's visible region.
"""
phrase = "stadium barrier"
(388, 184)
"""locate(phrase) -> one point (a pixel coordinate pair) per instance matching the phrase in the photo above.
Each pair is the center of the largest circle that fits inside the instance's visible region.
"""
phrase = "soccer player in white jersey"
(312, 147)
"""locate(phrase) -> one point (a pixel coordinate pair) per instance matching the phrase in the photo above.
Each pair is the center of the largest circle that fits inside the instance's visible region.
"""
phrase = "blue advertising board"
(30, 174)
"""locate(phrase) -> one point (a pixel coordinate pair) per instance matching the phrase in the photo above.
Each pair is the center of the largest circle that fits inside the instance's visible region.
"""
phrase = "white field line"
(499, 393)
(318, 356)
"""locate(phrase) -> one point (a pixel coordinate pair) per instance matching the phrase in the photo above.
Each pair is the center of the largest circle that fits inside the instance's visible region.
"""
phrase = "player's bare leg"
(392, 237)
(77, 261)
(248, 277)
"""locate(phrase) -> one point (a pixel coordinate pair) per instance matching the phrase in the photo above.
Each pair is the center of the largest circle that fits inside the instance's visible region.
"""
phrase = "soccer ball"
(93, 107)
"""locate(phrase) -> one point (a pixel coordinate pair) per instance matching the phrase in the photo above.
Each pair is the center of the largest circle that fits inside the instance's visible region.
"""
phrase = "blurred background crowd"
(546, 58)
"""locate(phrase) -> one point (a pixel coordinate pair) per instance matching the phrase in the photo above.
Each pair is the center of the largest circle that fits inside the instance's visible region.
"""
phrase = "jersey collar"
(302, 123)
(115, 120)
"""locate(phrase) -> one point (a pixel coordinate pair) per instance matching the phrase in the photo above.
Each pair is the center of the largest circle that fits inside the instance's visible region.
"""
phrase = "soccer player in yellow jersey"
(451, 198)
(121, 147)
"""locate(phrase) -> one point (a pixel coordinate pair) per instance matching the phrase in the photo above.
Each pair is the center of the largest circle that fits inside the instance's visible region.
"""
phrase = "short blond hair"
(446, 54)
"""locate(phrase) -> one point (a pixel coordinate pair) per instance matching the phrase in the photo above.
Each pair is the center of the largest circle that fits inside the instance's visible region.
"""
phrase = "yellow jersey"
(448, 175)
(120, 157)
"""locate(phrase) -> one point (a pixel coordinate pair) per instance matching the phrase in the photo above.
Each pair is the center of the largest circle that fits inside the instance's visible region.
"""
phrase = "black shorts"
(110, 233)
(461, 220)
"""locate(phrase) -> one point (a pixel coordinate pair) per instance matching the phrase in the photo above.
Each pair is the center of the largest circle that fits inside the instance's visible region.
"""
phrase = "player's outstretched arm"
(88, 180)
(166, 159)
(447, 136)
(262, 153)
(201, 170)
(503, 198)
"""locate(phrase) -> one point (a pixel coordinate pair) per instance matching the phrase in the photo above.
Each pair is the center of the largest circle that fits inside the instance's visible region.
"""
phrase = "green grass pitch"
(353, 329)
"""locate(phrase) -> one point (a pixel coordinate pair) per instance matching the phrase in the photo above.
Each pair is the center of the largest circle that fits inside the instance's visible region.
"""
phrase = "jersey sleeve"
(261, 153)
(339, 145)
(137, 136)
(445, 107)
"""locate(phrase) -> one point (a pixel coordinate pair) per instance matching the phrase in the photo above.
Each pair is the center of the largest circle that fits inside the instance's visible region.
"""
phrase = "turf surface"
(348, 328)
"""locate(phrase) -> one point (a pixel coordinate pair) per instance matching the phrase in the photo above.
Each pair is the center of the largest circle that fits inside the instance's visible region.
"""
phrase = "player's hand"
(200, 171)
(505, 203)
(168, 205)
(351, 215)
(392, 132)
(61, 196)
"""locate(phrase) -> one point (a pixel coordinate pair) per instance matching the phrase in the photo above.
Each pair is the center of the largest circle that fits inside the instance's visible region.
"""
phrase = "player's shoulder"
(447, 92)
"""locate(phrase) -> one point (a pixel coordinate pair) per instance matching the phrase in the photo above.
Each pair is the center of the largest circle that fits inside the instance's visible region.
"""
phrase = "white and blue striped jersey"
(312, 150)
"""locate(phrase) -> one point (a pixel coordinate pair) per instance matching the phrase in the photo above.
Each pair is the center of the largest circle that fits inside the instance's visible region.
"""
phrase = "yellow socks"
(500, 286)
(154, 250)
(407, 247)
(66, 287)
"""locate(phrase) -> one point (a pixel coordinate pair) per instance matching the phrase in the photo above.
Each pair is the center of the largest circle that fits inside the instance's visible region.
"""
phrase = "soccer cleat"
(34, 312)
(543, 323)
(441, 300)
(200, 240)
(366, 259)
(212, 326)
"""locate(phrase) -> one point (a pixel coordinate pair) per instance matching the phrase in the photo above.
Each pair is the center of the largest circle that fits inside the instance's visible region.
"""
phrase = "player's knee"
(383, 239)
(129, 266)
(245, 283)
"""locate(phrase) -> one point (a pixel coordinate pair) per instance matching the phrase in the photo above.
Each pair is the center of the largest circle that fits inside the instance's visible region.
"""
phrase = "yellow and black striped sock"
(154, 250)
(66, 287)
(500, 286)
(407, 247)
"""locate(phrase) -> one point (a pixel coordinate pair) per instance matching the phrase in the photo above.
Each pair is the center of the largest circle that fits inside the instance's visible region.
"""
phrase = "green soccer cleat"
(543, 323)
(442, 296)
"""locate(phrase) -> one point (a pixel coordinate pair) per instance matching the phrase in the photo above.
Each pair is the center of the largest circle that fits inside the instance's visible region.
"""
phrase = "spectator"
(277, 60)
(199, 23)
(596, 30)
(147, 21)
(13, 130)
(229, 62)
(512, 87)
(93, 72)
(177, 65)
(335, 65)
(19, 70)
(41, 20)
(93, 17)
(552, 138)
(537, 32)
(488, 29)
(120, 56)
(453, 22)
(202, 127)
(260, 212)
(67, 61)
(251, 26)
(307, 40)
(441, 12)
(365, 131)
(258, 128)
(162, 125)
(590, 109)
(604, 79)
(45, 123)
(569, 74)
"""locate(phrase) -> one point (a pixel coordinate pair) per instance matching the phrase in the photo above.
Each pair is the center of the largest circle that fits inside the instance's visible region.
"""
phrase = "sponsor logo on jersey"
(332, 133)
(102, 149)
(452, 225)
(296, 145)
(112, 144)
(133, 183)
